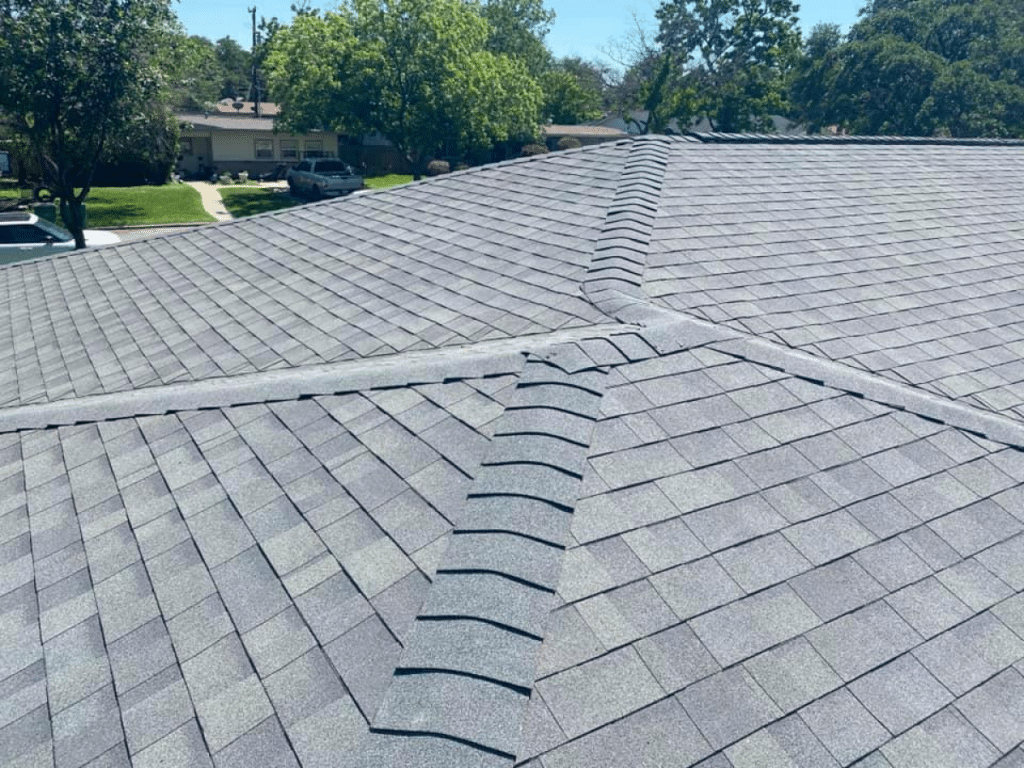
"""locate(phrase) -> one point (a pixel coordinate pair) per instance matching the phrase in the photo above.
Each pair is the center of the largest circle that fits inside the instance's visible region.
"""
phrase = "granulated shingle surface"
(697, 451)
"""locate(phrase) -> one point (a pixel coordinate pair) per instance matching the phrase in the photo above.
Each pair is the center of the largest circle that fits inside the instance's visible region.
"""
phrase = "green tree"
(192, 74)
(736, 55)
(518, 29)
(921, 68)
(74, 72)
(146, 146)
(417, 71)
(265, 33)
(648, 92)
(572, 92)
(236, 66)
(815, 74)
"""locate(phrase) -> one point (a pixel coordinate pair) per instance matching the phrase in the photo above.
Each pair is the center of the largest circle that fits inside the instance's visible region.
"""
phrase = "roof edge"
(782, 138)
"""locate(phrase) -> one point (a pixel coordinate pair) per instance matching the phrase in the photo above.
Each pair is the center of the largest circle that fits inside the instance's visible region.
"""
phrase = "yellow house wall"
(241, 145)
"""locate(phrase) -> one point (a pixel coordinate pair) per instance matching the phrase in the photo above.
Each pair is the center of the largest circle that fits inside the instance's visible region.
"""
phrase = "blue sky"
(582, 27)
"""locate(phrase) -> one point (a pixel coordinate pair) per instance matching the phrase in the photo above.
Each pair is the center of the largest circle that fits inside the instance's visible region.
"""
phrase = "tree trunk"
(418, 163)
(73, 212)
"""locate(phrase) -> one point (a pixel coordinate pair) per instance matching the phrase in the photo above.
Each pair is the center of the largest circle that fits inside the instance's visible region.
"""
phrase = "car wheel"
(316, 193)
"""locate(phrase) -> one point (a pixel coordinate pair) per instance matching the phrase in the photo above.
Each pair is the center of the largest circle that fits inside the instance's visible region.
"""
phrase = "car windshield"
(57, 233)
(332, 166)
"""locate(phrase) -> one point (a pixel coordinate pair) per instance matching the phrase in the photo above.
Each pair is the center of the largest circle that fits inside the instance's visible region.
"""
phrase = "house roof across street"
(690, 451)
(223, 121)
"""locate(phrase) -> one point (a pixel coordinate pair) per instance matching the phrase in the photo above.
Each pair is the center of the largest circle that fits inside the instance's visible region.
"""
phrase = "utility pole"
(255, 73)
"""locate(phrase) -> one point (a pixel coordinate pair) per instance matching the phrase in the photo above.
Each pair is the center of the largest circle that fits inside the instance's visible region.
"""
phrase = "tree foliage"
(265, 32)
(199, 72)
(418, 71)
(921, 67)
(572, 92)
(518, 29)
(143, 151)
(74, 74)
(643, 90)
(236, 68)
(732, 56)
(192, 73)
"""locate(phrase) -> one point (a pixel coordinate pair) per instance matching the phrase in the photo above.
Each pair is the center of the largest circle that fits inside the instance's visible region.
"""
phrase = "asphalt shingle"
(756, 501)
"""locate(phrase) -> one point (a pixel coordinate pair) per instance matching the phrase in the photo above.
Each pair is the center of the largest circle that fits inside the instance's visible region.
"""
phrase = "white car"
(24, 235)
(320, 177)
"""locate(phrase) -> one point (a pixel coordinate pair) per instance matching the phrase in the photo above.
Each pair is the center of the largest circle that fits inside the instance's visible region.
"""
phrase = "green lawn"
(391, 180)
(9, 188)
(244, 201)
(247, 201)
(123, 206)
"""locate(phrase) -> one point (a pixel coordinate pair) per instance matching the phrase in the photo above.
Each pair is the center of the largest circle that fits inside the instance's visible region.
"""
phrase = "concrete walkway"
(213, 204)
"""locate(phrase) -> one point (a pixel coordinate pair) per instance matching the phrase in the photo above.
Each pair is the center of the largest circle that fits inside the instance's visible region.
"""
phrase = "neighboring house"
(638, 118)
(587, 135)
(662, 452)
(244, 142)
(238, 140)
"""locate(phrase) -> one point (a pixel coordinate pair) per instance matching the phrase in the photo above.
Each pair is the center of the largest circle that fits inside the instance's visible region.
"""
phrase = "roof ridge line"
(876, 388)
(626, 300)
(486, 358)
(617, 263)
(671, 331)
(493, 589)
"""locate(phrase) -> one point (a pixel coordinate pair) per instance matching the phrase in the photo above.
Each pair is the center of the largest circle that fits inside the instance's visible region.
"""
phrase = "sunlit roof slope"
(698, 452)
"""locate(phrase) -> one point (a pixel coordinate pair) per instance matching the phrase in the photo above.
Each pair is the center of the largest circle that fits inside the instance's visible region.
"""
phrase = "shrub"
(533, 149)
(462, 167)
(569, 142)
(438, 167)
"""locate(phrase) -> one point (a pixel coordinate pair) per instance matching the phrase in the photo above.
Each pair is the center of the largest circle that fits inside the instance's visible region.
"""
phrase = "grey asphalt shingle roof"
(760, 561)
(901, 260)
(232, 582)
(386, 273)
(559, 463)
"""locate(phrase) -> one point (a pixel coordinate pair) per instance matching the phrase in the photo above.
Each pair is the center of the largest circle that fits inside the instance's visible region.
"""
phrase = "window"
(314, 149)
(303, 166)
(264, 149)
(22, 234)
(186, 146)
(333, 166)
(289, 149)
(52, 230)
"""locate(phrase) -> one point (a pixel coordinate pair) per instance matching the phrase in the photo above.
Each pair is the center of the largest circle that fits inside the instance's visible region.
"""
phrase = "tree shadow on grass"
(249, 202)
(104, 214)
